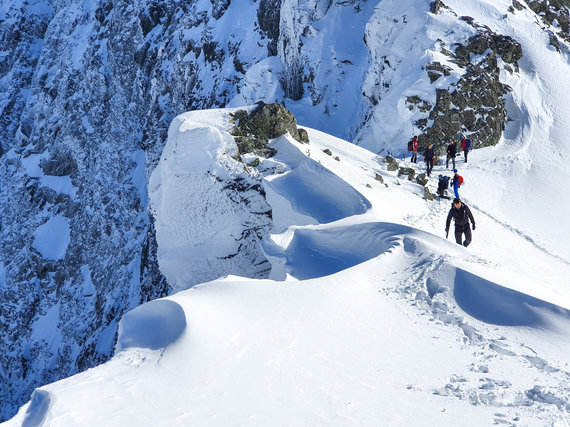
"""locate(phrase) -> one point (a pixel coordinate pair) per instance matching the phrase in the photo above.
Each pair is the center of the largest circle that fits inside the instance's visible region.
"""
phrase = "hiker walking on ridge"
(461, 213)
(466, 144)
(456, 182)
(413, 147)
(451, 153)
(428, 158)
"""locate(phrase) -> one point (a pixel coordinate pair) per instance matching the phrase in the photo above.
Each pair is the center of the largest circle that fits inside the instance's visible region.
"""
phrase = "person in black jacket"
(428, 158)
(461, 213)
(451, 153)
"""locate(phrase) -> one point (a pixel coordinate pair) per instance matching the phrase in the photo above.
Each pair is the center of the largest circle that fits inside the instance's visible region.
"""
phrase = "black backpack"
(442, 185)
(411, 145)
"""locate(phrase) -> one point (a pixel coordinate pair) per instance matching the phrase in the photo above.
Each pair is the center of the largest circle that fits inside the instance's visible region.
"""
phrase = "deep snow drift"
(373, 316)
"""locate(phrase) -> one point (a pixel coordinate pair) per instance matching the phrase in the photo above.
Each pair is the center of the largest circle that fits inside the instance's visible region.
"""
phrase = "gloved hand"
(473, 227)
(447, 230)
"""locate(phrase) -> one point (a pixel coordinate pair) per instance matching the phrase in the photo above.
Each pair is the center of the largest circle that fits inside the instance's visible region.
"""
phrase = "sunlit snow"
(370, 316)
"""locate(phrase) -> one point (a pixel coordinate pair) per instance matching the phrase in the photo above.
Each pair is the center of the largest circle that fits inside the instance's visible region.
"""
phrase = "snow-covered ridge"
(373, 313)
(89, 89)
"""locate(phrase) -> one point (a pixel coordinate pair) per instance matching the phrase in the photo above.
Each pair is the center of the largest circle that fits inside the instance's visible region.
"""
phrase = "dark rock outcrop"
(253, 131)
(392, 163)
(474, 105)
(551, 11)
(268, 15)
(409, 172)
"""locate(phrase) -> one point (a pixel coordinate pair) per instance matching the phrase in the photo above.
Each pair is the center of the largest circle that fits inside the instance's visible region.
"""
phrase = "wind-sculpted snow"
(88, 90)
(315, 252)
(153, 325)
(314, 191)
(373, 318)
(493, 303)
(37, 411)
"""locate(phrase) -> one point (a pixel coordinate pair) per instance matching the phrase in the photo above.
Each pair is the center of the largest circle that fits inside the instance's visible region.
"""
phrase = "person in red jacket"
(466, 144)
(461, 213)
(414, 149)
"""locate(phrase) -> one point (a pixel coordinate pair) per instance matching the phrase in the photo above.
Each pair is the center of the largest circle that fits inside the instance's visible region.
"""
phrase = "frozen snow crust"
(370, 316)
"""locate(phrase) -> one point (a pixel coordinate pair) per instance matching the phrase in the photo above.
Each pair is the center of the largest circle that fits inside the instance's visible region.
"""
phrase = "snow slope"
(371, 317)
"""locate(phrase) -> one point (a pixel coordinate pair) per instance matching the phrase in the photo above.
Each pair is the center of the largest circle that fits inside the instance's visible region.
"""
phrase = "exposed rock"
(416, 102)
(255, 163)
(392, 163)
(303, 135)
(435, 6)
(219, 7)
(551, 11)
(433, 76)
(554, 41)
(268, 15)
(379, 177)
(413, 99)
(474, 105)
(435, 70)
(517, 5)
(61, 163)
(428, 195)
(327, 151)
(422, 179)
(409, 172)
(253, 132)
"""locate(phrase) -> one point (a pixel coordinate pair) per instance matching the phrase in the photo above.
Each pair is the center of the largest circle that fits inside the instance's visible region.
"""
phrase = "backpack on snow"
(442, 185)
(411, 145)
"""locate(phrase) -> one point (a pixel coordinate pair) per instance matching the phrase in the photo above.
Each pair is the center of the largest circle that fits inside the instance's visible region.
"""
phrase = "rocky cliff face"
(474, 105)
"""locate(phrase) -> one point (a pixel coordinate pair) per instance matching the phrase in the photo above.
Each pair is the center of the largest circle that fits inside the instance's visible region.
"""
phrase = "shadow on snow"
(315, 191)
(492, 303)
(320, 252)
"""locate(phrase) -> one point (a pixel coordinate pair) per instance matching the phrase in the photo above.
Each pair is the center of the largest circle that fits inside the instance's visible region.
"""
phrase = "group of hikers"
(429, 153)
(459, 211)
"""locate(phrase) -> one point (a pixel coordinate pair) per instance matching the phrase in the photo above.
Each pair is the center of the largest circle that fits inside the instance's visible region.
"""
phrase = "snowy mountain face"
(88, 90)
(365, 318)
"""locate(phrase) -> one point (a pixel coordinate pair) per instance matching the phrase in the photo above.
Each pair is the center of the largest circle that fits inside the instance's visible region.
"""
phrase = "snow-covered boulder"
(210, 213)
